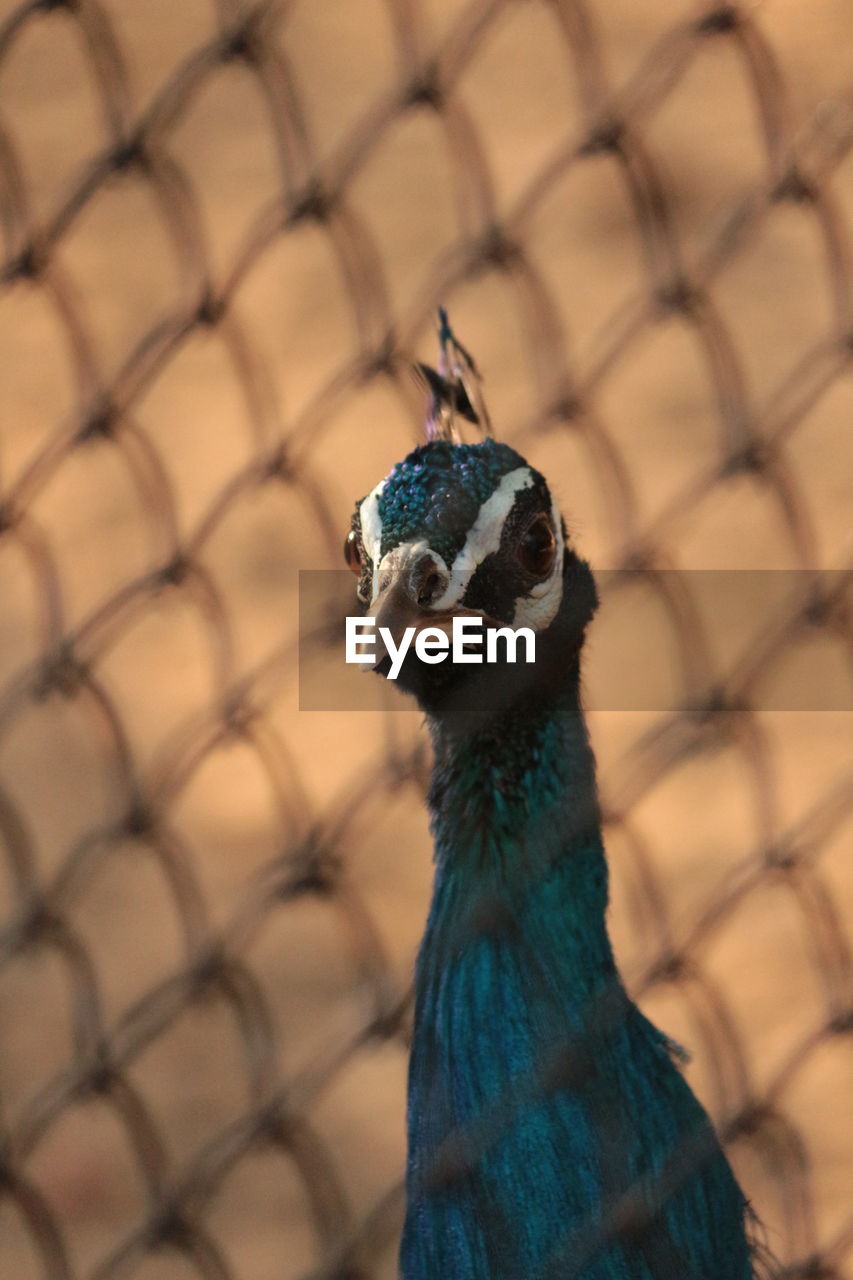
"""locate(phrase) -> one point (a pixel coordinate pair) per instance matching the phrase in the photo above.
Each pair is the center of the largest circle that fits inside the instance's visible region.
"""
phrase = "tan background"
(187, 692)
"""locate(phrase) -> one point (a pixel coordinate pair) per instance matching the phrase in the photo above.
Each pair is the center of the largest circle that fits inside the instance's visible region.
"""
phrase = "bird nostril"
(426, 581)
(429, 588)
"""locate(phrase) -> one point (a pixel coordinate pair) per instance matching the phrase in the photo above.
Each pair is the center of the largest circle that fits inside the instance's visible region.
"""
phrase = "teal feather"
(514, 969)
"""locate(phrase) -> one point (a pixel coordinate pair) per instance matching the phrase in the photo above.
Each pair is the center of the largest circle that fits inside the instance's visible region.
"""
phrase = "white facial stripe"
(371, 528)
(484, 536)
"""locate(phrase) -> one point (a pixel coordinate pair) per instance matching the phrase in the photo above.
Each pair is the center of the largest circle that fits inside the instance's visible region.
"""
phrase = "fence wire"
(207, 927)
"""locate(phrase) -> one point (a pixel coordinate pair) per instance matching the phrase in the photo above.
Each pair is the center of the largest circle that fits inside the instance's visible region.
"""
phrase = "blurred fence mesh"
(226, 228)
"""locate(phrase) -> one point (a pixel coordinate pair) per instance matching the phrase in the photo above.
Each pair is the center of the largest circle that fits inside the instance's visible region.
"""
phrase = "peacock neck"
(538, 1092)
(516, 824)
(514, 967)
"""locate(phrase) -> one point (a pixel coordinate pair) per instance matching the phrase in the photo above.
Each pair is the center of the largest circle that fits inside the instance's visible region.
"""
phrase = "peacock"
(551, 1132)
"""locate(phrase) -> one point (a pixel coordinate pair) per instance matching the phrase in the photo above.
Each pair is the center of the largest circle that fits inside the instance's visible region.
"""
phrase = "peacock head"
(470, 531)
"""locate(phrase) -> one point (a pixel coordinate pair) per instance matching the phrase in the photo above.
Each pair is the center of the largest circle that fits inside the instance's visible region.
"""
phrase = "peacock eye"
(537, 549)
(352, 552)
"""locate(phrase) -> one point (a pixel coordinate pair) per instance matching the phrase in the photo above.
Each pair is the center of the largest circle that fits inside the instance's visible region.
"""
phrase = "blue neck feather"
(540, 1098)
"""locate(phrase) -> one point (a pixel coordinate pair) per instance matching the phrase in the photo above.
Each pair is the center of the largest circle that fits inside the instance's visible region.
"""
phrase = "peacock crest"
(455, 388)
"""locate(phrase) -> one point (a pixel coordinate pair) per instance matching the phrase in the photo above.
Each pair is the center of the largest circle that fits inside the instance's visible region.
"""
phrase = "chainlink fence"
(226, 230)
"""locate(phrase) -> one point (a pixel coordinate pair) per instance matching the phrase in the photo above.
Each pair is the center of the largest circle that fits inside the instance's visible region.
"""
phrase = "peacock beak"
(410, 580)
(413, 592)
(394, 610)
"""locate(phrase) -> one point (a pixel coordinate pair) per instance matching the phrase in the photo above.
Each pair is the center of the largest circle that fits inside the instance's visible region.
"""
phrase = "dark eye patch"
(499, 581)
(528, 504)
